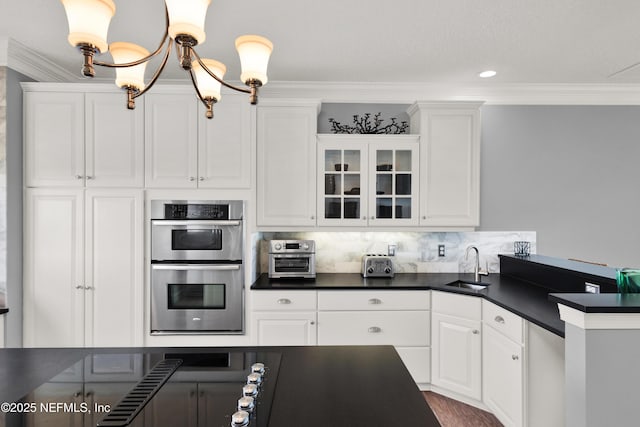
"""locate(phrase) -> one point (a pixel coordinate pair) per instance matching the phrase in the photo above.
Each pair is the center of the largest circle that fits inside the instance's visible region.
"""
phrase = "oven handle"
(197, 222)
(201, 267)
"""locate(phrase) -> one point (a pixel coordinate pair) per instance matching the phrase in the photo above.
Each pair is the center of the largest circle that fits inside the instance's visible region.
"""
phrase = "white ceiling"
(427, 41)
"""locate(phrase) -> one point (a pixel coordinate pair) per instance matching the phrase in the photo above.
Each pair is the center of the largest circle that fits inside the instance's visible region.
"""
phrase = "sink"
(469, 285)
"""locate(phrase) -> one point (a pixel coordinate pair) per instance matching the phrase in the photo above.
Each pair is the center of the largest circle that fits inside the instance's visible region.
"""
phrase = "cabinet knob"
(88, 288)
(475, 332)
(312, 323)
(89, 177)
(313, 217)
(364, 218)
(78, 177)
(284, 301)
(515, 357)
(499, 319)
(201, 178)
(79, 287)
(192, 178)
(373, 217)
(424, 217)
(374, 330)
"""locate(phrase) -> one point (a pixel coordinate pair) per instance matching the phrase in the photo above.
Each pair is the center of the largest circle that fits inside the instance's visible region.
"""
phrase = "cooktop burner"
(218, 389)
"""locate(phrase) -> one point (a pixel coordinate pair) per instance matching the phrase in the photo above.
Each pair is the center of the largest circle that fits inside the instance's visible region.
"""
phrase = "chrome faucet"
(476, 271)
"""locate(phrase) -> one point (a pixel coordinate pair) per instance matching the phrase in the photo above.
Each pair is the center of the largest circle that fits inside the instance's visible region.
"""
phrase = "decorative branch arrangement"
(364, 125)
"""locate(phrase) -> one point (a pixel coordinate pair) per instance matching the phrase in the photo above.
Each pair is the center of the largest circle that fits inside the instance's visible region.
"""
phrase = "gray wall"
(570, 173)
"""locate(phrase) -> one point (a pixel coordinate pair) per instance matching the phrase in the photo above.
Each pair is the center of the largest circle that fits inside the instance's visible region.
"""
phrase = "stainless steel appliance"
(292, 259)
(196, 230)
(197, 279)
(377, 265)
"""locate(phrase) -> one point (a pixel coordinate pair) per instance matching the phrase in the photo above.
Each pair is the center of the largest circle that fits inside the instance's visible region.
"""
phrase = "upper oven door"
(194, 240)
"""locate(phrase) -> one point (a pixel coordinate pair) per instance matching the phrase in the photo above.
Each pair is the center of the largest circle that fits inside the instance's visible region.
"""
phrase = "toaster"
(377, 265)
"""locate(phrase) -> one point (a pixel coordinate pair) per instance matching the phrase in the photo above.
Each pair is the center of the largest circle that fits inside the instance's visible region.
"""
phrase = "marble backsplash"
(415, 252)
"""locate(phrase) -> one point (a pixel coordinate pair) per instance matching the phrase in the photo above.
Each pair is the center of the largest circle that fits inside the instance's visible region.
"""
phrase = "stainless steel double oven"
(197, 280)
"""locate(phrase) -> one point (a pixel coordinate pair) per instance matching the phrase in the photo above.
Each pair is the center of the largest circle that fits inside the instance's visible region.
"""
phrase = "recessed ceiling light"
(486, 74)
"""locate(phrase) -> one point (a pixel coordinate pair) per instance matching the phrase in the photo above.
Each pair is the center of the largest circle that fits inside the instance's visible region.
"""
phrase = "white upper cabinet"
(114, 141)
(54, 139)
(171, 140)
(286, 139)
(449, 162)
(184, 149)
(224, 144)
(76, 139)
(367, 180)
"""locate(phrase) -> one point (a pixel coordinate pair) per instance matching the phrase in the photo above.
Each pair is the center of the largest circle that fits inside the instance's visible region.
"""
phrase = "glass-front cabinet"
(367, 180)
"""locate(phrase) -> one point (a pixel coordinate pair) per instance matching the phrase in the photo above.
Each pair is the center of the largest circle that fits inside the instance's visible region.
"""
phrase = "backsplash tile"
(416, 252)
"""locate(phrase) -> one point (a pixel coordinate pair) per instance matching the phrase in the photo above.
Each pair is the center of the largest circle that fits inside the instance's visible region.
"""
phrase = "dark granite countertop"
(337, 384)
(529, 301)
(599, 303)
(4, 310)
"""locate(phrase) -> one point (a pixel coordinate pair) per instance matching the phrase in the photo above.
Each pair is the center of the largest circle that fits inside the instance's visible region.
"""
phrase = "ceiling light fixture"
(88, 26)
(486, 74)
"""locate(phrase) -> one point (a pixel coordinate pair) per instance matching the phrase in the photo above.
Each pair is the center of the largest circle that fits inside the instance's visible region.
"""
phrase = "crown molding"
(496, 94)
(24, 60)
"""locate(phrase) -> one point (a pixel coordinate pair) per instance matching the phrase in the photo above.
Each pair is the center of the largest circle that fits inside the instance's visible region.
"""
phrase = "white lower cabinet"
(284, 318)
(83, 268)
(456, 362)
(398, 318)
(503, 363)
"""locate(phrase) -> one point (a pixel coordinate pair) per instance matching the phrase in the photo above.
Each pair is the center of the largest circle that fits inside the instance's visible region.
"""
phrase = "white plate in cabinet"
(409, 328)
(378, 301)
(503, 321)
(284, 301)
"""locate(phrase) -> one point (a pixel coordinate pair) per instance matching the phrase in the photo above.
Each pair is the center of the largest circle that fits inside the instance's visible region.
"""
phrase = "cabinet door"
(114, 268)
(224, 144)
(53, 269)
(114, 142)
(393, 178)
(286, 138)
(456, 356)
(285, 328)
(342, 182)
(450, 167)
(171, 140)
(54, 139)
(502, 371)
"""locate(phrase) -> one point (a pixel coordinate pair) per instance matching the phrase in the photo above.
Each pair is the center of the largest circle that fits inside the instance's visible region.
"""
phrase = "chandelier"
(88, 25)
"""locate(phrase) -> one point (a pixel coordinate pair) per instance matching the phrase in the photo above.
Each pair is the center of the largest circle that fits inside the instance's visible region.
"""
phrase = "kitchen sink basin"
(476, 286)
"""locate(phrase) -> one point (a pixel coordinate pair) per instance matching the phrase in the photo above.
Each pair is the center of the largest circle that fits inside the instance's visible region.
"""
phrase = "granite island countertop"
(317, 386)
(527, 300)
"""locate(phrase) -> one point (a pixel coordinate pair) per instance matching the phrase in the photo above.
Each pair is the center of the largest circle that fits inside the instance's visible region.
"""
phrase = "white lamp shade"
(187, 17)
(207, 85)
(123, 52)
(254, 54)
(89, 21)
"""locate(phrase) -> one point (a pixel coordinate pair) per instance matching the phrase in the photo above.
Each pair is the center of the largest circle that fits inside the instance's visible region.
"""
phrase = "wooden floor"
(452, 413)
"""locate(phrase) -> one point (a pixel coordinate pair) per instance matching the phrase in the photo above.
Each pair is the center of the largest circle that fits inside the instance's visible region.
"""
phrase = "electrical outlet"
(591, 288)
(440, 250)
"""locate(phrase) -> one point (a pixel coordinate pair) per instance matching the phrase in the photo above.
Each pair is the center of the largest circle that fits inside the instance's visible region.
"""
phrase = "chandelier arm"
(195, 86)
(146, 58)
(157, 73)
(222, 82)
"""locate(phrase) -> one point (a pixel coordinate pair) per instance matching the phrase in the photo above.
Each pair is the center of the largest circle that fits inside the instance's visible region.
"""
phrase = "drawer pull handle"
(500, 319)
(475, 332)
(375, 301)
(374, 330)
(515, 357)
(284, 301)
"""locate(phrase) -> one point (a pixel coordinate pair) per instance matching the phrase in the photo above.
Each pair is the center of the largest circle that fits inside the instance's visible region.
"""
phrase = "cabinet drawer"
(503, 321)
(464, 306)
(373, 300)
(409, 328)
(284, 301)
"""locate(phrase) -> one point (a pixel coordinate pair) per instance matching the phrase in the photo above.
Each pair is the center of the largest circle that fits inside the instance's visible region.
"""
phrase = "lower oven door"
(197, 298)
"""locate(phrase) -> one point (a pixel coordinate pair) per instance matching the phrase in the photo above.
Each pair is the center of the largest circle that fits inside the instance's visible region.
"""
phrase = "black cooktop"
(154, 390)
